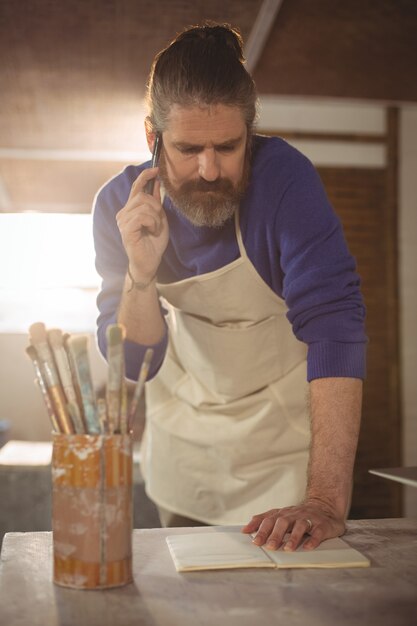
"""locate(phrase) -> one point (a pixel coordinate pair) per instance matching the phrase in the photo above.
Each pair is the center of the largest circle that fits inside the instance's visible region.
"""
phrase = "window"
(47, 271)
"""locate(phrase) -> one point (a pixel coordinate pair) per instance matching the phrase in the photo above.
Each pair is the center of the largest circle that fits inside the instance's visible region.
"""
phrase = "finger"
(276, 537)
(146, 220)
(323, 531)
(157, 191)
(264, 531)
(256, 521)
(139, 201)
(144, 177)
(251, 526)
(300, 528)
(130, 218)
(317, 536)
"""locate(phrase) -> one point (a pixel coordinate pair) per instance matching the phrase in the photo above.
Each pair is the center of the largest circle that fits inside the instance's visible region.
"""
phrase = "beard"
(203, 202)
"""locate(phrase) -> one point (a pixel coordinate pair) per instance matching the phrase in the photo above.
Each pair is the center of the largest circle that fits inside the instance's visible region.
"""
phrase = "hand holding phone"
(143, 224)
(155, 159)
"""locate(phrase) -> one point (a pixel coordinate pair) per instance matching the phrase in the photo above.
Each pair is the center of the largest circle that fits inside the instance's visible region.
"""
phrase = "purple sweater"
(291, 235)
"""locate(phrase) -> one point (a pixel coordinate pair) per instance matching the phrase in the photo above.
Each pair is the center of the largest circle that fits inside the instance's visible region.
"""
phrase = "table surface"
(384, 594)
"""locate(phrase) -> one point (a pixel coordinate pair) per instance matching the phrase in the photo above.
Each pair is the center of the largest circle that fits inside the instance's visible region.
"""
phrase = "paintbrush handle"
(40, 380)
(124, 421)
(143, 375)
(114, 385)
(75, 385)
(79, 354)
(42, 386)
(53, 383)
(57, 397)
(102, 415)
(50, 409)
(64, 370)
(115, 378)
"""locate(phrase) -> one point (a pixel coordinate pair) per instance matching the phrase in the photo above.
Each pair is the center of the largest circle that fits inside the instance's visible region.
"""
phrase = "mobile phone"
(155, 159)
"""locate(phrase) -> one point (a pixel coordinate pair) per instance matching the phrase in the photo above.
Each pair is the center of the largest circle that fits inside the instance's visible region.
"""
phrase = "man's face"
(204, 164)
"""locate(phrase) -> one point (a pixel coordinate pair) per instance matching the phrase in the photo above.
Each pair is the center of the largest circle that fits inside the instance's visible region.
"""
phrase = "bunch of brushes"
(63, 374)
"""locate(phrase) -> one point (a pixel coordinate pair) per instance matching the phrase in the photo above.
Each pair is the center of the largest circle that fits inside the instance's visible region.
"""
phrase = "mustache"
(220, 185)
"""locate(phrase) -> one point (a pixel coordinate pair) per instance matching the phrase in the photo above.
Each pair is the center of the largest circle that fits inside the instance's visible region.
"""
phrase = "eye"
(226, 149)
(190, 150)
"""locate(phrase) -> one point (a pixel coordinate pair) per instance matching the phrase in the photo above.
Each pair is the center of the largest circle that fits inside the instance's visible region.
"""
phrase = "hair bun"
(215, 35)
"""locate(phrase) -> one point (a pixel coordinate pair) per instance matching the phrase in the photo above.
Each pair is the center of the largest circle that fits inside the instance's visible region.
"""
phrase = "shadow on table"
(110, 607)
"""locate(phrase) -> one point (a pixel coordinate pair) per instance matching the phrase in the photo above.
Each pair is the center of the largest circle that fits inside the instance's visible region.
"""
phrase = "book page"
(228, 550)
(202, 551)
(330, 553)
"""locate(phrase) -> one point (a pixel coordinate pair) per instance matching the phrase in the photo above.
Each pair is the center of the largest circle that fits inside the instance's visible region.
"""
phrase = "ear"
(150, 134)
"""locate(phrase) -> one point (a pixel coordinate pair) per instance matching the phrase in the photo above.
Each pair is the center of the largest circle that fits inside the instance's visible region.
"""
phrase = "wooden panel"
(72, 73)
(355, 49)
(360, 199)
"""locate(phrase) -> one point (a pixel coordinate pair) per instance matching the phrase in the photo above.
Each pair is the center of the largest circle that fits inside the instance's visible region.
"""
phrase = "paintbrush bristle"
(31, 352)
(65, 338)
(55, 338)
(114, 334)
(37, 333)
(148, 356)
(77, 344)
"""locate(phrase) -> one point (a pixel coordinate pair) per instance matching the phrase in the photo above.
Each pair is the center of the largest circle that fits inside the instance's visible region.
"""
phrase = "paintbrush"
(115, 378)
(56, 342)
(102, 415)
(143, 375)
(78, 349)
(75, 384)
(31, 352)
(39, 341)
(123, 403)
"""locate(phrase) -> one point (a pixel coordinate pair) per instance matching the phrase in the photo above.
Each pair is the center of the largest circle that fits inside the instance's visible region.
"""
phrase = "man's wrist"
(139, 285)
(336, 505)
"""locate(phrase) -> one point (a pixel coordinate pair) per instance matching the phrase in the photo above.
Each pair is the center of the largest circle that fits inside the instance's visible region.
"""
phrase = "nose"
(208, 165)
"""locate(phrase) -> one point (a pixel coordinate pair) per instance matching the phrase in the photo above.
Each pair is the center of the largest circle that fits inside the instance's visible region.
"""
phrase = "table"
(384, 594)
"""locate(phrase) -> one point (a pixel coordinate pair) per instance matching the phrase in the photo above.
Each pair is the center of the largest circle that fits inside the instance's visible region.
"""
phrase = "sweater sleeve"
(320, 283)
(111, 264)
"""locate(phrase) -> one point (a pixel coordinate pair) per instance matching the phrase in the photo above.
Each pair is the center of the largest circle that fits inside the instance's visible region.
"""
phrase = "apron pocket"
(234, 360)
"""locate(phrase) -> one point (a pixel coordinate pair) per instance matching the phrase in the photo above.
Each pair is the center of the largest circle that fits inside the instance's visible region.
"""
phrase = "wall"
(326, 115)
(20, 401)
(408, 292)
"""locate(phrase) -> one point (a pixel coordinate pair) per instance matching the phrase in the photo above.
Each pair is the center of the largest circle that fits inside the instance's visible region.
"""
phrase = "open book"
(228, 550)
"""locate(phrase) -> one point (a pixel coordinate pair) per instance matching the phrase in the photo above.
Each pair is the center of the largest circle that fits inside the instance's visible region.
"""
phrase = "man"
(236, 272)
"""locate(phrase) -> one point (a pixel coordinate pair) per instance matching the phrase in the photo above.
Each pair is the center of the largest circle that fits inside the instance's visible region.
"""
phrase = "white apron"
(227, 432)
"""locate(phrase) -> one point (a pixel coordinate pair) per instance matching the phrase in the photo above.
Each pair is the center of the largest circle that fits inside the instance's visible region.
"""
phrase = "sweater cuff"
(328, 359)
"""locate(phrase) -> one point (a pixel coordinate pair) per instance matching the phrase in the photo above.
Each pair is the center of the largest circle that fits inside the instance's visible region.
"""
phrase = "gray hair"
(204, 65)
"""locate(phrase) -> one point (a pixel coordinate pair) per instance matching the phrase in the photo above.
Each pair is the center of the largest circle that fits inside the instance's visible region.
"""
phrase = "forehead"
(205, 124)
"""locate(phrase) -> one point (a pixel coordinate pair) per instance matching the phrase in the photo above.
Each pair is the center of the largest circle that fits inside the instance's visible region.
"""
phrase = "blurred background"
(336, 79)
